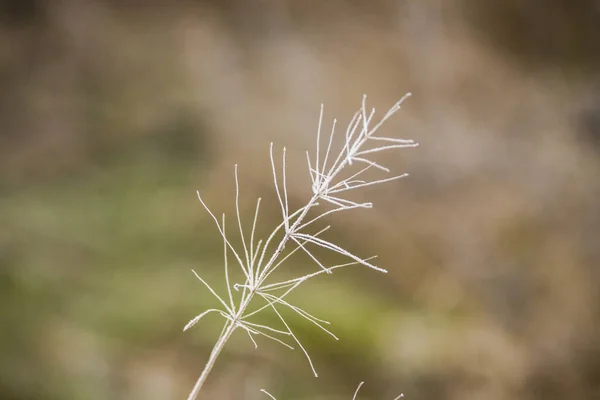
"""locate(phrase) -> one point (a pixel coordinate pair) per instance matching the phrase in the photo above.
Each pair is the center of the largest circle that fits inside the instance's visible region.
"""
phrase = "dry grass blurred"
(113, 113)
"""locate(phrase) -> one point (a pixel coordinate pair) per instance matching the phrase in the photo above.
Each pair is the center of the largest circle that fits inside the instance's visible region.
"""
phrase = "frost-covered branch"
(260, 258)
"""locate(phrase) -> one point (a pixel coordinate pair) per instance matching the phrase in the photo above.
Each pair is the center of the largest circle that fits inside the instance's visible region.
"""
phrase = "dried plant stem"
(231, 326)
(328, 184)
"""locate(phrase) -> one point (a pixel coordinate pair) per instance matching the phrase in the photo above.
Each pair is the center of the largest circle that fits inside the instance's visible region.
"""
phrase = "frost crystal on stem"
(259, 260)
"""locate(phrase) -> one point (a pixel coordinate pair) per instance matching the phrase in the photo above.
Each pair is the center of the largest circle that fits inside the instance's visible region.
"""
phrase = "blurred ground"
(112, 113)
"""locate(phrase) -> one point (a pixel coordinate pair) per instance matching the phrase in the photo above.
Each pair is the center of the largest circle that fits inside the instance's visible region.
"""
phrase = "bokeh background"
(113, 113)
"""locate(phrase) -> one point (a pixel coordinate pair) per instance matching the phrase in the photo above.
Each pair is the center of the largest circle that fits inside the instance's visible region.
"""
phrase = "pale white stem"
(354, 181)
(360, 172)
(338, 165)
(259, 326)
(244, 304)
(232, 305)
(241, 263)
(276, 230)
(284, 185)
(390, 112)
(311, 171)
(362, 137)
(332, 201)
(257, 270)
(273, 338)
(317, 173)
(317, 159)
(214, 293)
(366, 122)
(268, 394)
(252, 338)
(324, 164)
(254, 330)
(267, 305)
(357, 390)
(345, 203)
(312, 367)
(351, 129)
(369, 183)
(197, 318)
(259, 333)
(252, 250)
(271, 270)
(279, 197)
(316, 187)
(256, 252)
(294, 282)
(383, 148)
(293, 286)
(306, 224)
(350, 145)
(328, 245)
(329, 145)
(315, 259)
(394, 140)
(304, 314)
(246, 290)
(371, 163)
(284, 284)
(239, 220)
(225, 335)
(336, 169)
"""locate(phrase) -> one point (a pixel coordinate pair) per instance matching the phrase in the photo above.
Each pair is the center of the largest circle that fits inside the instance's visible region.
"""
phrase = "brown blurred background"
(112, 114)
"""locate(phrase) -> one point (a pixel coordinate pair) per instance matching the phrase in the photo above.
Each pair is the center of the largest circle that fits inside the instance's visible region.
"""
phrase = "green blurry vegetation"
(105, 250)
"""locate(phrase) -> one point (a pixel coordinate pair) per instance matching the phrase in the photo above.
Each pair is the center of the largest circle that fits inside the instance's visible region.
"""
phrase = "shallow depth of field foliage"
(113, 114)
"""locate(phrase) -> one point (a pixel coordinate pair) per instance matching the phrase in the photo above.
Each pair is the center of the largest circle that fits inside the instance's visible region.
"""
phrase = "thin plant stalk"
(326, 181)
